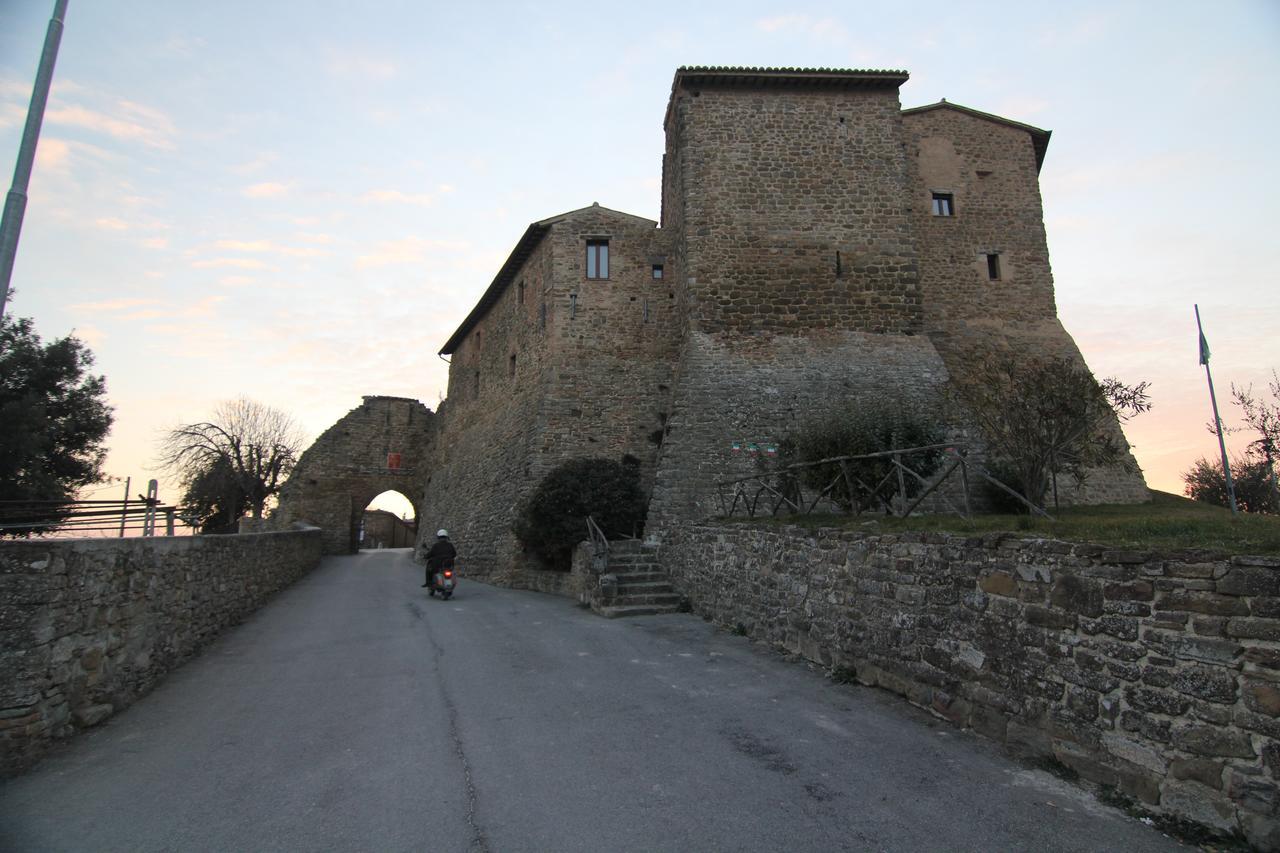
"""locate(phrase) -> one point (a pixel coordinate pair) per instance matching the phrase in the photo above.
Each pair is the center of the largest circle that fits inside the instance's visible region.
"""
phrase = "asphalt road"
(355, 713)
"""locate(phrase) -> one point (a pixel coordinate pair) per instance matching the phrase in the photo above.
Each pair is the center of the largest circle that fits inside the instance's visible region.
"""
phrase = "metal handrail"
(797, 503)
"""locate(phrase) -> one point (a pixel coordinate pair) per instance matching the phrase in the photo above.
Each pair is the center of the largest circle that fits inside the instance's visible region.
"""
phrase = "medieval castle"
(817, 242)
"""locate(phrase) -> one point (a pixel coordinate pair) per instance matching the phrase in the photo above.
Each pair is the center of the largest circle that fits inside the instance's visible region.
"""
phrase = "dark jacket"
(441, 555)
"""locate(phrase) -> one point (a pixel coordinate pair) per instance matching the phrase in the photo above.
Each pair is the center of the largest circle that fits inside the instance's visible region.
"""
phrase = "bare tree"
(251, 448)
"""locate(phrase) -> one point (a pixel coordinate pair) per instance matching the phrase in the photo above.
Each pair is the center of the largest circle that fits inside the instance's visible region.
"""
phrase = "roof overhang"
(524, 248)
(701, 76)
(532, 237)
(1039, 136)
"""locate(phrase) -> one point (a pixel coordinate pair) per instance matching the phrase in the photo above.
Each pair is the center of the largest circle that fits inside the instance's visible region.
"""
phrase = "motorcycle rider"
(441, 555)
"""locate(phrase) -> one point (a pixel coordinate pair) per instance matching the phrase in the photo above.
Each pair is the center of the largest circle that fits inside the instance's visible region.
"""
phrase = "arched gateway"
(381, 445)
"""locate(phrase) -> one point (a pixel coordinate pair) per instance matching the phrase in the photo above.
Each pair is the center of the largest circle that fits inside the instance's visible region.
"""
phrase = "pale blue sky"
(299, 202)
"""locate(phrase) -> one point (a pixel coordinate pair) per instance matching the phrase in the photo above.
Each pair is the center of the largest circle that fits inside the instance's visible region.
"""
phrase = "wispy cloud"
(110, 223)
(271, 247)
(155, 243)
(361, 65)
(411, 250)
(309, 237)
(238, 263)
(111, 305)
(825, 29)
(267, 189)
(395, 197)
(124, 120)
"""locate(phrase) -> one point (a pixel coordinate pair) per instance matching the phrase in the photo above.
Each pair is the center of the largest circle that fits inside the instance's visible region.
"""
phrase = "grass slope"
(1168, 522)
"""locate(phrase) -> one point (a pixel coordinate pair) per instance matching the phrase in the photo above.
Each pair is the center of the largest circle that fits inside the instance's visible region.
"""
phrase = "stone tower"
(788, 198)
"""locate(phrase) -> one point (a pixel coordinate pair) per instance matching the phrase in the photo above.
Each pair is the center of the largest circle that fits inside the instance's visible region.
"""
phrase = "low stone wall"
(88, 626)
(1158, 674)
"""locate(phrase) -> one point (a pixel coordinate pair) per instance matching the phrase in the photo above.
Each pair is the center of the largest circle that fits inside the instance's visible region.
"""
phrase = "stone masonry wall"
(89, 626)
(349, 465)
(526, 395)
(774, 184)
(1158, 674)
(736, 392)
(990, 170)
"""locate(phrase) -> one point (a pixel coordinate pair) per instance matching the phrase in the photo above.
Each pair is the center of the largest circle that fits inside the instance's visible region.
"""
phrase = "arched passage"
(382, 445)
(389, 521)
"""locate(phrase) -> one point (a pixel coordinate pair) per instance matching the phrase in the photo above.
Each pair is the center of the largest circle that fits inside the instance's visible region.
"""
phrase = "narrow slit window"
(597, 259)
(520, 293)
(512, 365)
(944, 204)
(993, 266)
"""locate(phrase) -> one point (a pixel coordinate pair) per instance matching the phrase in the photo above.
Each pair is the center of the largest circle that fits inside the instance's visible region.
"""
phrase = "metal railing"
(599, 546)
(784, 489)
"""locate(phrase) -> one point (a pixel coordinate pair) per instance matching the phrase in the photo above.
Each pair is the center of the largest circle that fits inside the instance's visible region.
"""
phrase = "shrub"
(857, 429)
(551, 520)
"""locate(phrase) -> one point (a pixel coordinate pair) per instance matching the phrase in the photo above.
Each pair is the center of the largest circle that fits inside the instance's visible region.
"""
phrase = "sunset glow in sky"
(299, 202)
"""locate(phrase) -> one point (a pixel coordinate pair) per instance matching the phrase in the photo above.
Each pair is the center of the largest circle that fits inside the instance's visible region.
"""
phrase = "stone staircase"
(643, 588)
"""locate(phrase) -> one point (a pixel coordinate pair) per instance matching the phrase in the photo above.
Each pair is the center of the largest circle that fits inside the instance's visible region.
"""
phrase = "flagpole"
(15, 203)
(1217, 421)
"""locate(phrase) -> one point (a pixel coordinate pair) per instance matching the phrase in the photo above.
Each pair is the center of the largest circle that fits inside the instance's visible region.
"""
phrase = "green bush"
(857, 429)
(551, 521)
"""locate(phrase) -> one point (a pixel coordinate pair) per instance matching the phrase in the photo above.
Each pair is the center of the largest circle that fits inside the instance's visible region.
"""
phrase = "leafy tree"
(1250, 476)
(551, 521)
(55, 418)
(858, 429)
(1263, 418)
(1042, 417)
(234, 462)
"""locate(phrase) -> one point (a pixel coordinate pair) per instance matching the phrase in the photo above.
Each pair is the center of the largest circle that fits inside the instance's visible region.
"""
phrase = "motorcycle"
(442, 582)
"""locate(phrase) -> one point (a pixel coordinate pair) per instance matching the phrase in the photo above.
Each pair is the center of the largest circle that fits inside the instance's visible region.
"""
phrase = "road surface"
(355, 713)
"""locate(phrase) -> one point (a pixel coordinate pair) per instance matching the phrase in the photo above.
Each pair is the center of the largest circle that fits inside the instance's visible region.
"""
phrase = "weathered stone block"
(999, 583)
(1134, 752)
(1156, 701)
(1250, 580)
(1213, 741)
(1255, 629)
(1047, 617)
(1196, 802)
(1206, 771)
(1208, 683)
(1262, 697)
(1202, 602)
(1077, 595)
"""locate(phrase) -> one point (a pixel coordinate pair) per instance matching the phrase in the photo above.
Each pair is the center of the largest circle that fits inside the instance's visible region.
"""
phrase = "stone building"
(817, 243)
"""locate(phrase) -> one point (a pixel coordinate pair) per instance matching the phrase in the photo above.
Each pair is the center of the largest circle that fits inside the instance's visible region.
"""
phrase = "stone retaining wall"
(1158, 674)
(88, 626)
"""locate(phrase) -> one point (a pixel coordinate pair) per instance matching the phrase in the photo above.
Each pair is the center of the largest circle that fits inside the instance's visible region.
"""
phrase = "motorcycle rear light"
(448, 574)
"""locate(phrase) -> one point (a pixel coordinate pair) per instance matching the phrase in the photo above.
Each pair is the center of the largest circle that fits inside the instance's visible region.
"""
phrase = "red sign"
(393, 461)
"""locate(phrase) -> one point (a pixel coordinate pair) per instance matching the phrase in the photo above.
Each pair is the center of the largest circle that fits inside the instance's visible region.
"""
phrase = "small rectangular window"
(512, 363)
(944, 204)
(520, 293)
(597, 259)
(993, 266)
(657, 270)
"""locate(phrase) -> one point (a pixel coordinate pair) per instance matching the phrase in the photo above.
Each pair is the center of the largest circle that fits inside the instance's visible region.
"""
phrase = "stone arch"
(382, 445)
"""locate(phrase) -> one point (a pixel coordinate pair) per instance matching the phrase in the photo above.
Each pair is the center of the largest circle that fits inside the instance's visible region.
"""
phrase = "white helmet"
(442, 533)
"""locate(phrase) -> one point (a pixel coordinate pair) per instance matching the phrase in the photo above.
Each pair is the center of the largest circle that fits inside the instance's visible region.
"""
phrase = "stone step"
(665, 598)
(630, 587)
(633, 560)
(639, 577)
(617, 611)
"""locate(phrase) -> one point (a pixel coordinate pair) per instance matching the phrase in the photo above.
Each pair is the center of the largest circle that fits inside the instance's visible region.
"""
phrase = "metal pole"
(15, 204)
(1217, 421)
(124, 511)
